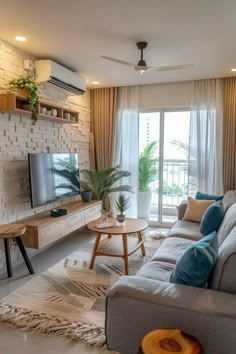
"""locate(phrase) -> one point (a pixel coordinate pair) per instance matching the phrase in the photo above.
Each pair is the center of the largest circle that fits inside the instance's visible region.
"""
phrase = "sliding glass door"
(169, 185)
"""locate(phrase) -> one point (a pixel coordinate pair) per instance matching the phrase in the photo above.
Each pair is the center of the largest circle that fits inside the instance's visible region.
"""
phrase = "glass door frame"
(162, 112)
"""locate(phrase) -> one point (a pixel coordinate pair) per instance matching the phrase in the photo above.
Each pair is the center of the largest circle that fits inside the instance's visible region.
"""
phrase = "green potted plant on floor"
(122, 204)
(27, 82)
(148, 170)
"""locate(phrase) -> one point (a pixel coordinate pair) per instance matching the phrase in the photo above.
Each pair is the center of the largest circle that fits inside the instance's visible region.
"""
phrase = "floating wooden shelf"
(14, 103)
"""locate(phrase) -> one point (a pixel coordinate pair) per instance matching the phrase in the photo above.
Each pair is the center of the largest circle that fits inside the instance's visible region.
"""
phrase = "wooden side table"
(15, 231)
(169, 341)
(120, 245)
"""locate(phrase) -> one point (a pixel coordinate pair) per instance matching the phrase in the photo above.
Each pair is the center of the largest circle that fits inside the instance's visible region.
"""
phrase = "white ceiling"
(77, 32)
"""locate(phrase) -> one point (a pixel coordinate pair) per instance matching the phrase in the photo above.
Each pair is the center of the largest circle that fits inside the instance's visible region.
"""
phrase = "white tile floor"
(13, 340)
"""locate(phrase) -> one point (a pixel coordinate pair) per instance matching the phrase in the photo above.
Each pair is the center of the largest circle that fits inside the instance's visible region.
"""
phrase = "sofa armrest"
(181, 209)
(175, 295)
(136, 305)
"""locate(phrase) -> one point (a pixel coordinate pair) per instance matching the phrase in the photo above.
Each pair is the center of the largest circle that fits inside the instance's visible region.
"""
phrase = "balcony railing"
(175, 189)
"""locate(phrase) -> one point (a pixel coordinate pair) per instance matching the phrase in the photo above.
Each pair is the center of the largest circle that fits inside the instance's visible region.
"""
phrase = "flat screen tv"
(53, 177)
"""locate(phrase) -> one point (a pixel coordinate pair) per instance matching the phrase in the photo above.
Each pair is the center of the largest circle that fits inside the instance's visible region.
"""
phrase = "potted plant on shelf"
(148, 170)
(122, 204)
(101, 183)
(27, 82)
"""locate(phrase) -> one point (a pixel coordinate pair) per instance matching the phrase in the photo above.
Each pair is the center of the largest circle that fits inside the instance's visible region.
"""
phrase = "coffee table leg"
(109, 236)
(142, 246)
(94, 251)
(125, 247)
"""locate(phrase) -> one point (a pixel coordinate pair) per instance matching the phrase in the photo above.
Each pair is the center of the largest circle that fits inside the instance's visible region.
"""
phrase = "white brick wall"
(18, 137)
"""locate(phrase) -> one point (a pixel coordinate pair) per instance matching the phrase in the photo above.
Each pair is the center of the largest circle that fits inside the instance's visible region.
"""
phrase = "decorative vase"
(144, 200)
(86, 196)
(120, 218)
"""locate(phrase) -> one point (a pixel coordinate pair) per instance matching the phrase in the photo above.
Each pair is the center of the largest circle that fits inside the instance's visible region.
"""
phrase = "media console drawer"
(92, 213)
(42, 229)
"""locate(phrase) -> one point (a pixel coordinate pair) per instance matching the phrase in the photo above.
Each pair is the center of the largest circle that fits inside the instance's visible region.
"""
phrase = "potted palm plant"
(102, 183)
(148, 170)
(122, 204)
(28, 83)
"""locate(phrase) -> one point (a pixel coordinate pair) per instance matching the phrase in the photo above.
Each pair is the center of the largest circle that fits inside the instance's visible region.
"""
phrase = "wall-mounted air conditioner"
(50, 71)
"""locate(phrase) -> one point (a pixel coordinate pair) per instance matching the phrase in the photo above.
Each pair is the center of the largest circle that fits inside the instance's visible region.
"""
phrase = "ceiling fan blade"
(173, 67)
(118, 61)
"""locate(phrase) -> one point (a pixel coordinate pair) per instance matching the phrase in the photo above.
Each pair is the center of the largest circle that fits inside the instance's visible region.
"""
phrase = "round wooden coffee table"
(120, 245)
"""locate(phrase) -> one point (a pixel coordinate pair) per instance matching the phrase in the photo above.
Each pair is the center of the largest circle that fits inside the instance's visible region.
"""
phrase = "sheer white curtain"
(126, 140)
(206, 136)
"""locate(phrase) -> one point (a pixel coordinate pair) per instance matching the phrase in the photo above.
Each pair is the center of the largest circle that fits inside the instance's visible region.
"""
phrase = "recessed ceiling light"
(20, 38)
(95, 82)
(234, 69)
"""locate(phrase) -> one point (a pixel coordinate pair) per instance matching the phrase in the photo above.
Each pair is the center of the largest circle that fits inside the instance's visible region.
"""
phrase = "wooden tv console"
(43, 229)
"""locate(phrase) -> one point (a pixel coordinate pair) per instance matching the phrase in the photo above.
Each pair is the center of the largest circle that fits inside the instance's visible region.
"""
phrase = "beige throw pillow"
(196, 208)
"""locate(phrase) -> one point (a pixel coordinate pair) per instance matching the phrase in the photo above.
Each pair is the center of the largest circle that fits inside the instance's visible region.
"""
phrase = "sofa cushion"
(229, 199)
(212, 218)
(204, 196)
(171, 249)
(156, 270)
(197, 262)
(196, 209)
(186, 229)
(228, 223)
(223, 276)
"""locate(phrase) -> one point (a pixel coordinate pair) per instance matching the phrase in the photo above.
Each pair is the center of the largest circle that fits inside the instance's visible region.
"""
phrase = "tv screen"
(53, 176)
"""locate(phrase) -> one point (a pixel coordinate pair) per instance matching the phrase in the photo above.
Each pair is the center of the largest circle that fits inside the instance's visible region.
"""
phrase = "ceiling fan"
(141, 67)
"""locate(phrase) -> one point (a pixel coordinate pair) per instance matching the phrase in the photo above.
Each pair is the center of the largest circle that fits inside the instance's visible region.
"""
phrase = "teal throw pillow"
(204, 196)
(212, 218)
(196, 263)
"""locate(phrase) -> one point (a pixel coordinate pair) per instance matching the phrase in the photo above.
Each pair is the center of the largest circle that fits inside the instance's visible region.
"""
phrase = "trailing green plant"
(102, 182)
(69, 172)
(122, 203)
(29, 83)
(148, 168)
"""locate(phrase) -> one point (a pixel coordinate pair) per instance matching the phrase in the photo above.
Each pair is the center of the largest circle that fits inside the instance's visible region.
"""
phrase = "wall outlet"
(28, 64)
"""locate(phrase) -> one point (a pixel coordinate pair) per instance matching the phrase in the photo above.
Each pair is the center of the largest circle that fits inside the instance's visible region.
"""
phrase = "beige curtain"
(229, 139)
(103, 111)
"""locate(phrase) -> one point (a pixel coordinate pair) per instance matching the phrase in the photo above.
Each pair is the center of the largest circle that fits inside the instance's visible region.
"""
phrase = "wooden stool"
(169, 341)
(14, 231)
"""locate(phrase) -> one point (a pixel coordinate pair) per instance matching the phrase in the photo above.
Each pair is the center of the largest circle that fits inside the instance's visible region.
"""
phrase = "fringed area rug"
(69, 299)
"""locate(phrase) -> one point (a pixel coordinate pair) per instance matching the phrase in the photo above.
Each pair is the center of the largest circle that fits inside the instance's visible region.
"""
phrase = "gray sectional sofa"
(137, 304)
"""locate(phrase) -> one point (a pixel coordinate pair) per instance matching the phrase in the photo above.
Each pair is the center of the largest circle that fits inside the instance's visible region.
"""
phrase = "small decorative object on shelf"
(53, 112)
(43, 110)
(122, 204)
(67, 115)
(27, 82)
(86, 196)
